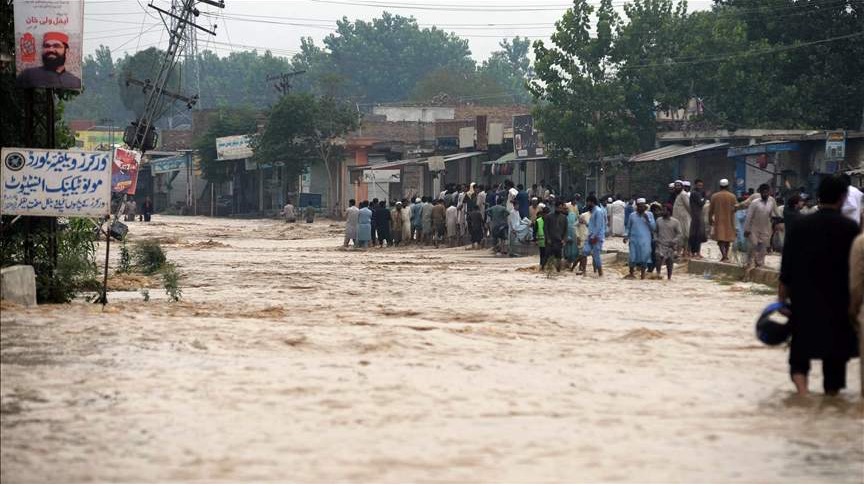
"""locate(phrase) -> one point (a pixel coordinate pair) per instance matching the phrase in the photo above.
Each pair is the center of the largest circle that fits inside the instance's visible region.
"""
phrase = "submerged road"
(292, 360)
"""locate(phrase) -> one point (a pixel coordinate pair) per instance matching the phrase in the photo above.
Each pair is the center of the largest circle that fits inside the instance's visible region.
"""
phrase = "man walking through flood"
(639, 228)
(721, 215)
(814, 280)
(555, 228)
(596, 234)
(758, 225)
(668, 241)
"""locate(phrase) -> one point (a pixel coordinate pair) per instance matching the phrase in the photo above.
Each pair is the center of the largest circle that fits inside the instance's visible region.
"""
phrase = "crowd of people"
(569, 230)
(505, 218)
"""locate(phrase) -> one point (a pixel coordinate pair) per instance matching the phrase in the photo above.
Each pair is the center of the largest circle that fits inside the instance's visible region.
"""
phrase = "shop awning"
(451, 158)
(763, 148)
(672, 151)
(511, 157)
(396, 164)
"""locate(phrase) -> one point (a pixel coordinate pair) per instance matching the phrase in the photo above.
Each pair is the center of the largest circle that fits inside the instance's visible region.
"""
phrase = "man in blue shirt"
(596, 233)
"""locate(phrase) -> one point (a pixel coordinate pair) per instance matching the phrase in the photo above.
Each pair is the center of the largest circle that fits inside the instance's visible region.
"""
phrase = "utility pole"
(140, 134)
(284, 81)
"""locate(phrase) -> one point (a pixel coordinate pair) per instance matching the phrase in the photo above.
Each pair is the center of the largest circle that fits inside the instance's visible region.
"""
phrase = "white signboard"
(39, 182)
(466, 137)
(383, 176)
(48, 43)
(235, 147)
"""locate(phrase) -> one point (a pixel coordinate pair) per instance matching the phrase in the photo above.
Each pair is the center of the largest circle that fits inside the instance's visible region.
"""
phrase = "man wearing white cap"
(721, 215)
(417, 219)
(681, 212)
(640, 226)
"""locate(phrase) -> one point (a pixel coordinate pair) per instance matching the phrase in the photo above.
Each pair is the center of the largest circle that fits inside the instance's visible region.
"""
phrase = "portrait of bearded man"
(52, 73)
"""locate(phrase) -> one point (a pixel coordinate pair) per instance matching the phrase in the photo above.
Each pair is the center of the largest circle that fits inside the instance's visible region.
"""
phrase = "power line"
(755, 52)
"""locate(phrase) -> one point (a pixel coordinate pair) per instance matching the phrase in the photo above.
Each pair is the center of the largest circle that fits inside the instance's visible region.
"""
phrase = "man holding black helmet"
(814, 280)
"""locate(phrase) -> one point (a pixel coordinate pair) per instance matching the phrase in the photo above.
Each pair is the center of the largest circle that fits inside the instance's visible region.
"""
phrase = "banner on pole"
(124, 171)
(39, 182)
(49, 43)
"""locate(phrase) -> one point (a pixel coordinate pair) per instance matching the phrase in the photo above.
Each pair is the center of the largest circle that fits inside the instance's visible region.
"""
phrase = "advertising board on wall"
(168, 164)
(48, 43)
(835, 145)
(39, 182)
(525, 138)
(235, 147)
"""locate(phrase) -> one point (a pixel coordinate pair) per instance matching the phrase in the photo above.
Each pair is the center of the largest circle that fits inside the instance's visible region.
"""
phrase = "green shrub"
(149, 257)
(29, 242)
(171, 282)
(125, 259)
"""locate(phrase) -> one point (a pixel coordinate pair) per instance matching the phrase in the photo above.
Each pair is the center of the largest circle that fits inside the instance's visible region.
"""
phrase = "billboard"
(835, 145)
(48, 43)
(168, 164)
(525, 138)
(39, 182)
(235, 147)
(124, 171)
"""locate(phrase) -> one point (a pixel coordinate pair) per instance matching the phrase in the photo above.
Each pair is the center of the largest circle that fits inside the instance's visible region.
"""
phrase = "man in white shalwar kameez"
(351, 215)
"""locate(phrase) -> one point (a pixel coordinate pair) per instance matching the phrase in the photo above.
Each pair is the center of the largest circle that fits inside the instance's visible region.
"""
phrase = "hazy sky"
(278, 25)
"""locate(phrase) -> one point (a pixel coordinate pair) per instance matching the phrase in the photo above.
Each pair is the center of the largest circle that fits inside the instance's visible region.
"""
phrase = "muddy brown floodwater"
(292, 360)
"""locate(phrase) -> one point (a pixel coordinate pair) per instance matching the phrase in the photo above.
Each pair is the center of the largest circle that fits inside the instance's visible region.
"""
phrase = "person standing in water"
(814, 282)
(668, 241)
(639, 228)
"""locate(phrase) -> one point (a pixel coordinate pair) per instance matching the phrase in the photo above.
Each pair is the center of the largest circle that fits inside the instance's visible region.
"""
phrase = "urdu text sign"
(38, 182)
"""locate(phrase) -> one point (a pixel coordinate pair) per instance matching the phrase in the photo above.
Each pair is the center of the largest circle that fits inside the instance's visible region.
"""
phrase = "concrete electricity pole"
(140, 134)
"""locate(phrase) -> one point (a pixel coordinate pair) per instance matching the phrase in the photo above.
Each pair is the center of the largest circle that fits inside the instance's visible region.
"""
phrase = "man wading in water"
(814, 279)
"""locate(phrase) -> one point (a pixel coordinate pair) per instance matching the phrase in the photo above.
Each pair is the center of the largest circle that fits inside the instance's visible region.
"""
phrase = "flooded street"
(290, 359)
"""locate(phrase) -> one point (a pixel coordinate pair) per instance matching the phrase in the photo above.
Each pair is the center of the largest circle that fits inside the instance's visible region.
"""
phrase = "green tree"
(581, 107)
(382, 60)
(301, 130)
(642, 48)
(143, 65)
(227, 122)
(475, 86)
(100, 98)
(511, 68)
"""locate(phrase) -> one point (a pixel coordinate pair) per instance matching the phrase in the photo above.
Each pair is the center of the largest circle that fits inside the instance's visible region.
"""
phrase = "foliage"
(143, 65)
(475, 86)
(171, 282)
(238, 121)
(749, 63)
(125, 264)
(383, 59)
(29, 242)
(581, 109)
(145, 294)
(511, 68)
(101, 99)
(148, 256)
(302, 129)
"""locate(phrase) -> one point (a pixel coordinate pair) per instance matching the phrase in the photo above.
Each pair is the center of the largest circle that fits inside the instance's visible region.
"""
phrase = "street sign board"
(38, 182)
